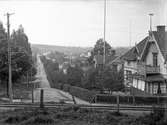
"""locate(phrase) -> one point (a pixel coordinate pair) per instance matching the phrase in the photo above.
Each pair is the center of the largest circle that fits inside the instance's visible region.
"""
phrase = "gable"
(151, 42)
(136, 51)
(161, 39)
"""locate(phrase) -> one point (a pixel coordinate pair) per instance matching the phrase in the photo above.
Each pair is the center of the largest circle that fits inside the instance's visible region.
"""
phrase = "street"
(51, 94)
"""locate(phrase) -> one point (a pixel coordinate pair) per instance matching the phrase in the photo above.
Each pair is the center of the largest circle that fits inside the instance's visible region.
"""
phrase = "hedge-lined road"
(51, 94)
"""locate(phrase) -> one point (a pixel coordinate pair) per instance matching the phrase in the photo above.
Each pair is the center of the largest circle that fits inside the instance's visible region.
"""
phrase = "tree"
(99, 49)
(89, 80)
(113, 80)
(74, 76)
(21, 58)
(20, 39)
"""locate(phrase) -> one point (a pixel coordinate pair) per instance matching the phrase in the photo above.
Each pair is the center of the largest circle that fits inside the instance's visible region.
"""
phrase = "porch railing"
(152, 69)
(147, 69)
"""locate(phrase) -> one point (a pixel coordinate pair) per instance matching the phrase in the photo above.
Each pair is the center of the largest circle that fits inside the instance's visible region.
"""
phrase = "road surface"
(51, 94)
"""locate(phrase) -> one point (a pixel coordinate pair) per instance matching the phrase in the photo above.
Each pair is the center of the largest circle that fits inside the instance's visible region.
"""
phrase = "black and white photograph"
(83, 62)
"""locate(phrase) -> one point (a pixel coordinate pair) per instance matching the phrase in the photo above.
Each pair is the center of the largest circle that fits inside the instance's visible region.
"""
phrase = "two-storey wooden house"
(145, 65)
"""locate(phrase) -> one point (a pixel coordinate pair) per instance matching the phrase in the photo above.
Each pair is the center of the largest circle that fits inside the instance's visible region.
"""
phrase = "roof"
(135, 51)
(156, 78)
(109, 58)
(160, 37)
(116, 60)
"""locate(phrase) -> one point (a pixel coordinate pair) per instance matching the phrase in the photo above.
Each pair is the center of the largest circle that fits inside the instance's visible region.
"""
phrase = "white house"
(145, 65)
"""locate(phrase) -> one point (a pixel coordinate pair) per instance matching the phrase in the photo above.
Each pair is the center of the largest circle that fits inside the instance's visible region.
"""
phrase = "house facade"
(145, 65)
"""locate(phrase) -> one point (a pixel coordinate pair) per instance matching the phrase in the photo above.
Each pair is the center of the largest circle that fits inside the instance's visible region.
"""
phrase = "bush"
(79, 92)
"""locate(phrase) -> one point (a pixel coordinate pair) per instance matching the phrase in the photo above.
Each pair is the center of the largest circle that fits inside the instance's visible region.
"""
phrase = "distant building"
(116, 64)
(64, 67)
(145, 65)
(98, 60)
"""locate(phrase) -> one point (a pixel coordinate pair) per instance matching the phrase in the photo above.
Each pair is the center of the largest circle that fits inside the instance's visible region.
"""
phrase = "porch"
(156, 84)
(147, 69)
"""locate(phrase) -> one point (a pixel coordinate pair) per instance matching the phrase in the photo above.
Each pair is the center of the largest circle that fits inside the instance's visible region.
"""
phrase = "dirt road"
(51, 94)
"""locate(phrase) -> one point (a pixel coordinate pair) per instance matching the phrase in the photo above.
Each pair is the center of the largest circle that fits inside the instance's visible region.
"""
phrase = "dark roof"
(156, 78)
(135, 51)
(116, 60)
(109, 58)
(161, 38)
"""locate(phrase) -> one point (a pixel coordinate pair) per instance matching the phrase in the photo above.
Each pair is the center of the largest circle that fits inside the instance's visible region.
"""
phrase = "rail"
(91, 106)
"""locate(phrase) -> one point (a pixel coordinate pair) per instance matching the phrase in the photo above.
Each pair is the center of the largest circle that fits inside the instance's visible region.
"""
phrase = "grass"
(73, 116)
(20, 91)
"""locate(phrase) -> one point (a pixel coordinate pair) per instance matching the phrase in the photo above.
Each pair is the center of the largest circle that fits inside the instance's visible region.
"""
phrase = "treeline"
(22, 62)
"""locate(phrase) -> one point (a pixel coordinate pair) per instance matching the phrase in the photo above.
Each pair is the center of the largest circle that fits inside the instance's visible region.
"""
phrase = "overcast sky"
(80, 22)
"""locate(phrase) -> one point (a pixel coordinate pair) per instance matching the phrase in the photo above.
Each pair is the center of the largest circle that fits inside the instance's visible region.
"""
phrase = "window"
(128, 75)
(155, 59)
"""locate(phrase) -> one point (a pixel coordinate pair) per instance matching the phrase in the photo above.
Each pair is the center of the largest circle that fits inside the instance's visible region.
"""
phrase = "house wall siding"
(149, 58)
(136, 67)
(130, 66)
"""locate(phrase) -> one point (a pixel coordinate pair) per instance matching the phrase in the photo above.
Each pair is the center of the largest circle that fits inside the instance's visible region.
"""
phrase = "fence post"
(32, 96)
(95, 98)
(73, 98)
(41, 98)
(158, 102)
(133, 100)
(118, 103)
(165, 115)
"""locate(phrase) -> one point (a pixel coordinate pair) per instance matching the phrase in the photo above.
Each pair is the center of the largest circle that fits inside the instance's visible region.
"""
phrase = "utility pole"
(151, 14)
(9, 59)
(130, 33)
(104, 53)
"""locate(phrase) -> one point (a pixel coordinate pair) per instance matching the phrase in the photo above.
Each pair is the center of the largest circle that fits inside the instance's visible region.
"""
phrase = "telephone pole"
(104, 53)
(9, 59)
(151, 15)
(130, 33)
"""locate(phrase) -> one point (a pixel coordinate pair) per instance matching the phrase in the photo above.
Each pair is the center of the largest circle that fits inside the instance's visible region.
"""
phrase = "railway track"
(94, 107)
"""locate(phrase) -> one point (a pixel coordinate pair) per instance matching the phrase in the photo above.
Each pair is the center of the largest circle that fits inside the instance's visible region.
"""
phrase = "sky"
(81, 23)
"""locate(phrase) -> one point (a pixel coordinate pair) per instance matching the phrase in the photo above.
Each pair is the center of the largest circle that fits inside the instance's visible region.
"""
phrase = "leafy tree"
(20, 39)
(74, 76)
(52, 66)
(90, 79)
(99, 49)
(113, 80)
(21, 58)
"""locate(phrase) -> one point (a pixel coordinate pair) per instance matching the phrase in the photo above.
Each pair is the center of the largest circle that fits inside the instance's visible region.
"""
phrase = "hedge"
(82, 93)
(146, 100)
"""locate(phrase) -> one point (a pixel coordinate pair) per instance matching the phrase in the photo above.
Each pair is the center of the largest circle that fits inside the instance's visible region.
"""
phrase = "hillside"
(70, 50)
(62, 49)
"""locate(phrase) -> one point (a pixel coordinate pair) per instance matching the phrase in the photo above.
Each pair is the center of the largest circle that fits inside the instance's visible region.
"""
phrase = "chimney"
(161, 29)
